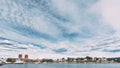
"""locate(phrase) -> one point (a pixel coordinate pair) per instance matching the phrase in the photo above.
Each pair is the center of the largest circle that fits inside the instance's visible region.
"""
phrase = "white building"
(2, 60)
(18, 61)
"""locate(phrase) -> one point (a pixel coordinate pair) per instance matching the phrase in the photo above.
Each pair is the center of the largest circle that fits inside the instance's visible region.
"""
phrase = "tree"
(70, 59)
(88, 58)
(11, 60)
(47, 60)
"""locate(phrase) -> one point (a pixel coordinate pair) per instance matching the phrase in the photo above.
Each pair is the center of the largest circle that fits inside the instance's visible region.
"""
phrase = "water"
(61, 66)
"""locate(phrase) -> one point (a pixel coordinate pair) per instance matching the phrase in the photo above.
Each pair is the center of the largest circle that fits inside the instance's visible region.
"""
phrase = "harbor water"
(60, 66)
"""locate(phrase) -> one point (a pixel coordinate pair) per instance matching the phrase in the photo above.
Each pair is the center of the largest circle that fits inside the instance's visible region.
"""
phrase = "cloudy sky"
(60, 28)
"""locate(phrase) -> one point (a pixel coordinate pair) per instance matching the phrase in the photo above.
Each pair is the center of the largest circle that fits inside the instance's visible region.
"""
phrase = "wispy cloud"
(61, 27)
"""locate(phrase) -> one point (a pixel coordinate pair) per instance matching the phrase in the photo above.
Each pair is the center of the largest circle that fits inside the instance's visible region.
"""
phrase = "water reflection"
(61, 66)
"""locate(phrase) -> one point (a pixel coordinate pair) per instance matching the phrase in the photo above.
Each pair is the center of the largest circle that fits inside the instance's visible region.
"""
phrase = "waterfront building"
(3, 60)
(104, 58)
(85, 59)
(18, 61)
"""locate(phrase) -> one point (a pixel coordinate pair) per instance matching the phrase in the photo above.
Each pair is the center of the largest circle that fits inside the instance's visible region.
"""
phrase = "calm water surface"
(61, 66)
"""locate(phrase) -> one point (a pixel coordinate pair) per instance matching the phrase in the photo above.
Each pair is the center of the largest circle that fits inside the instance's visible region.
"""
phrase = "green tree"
(11, 60)
(70, 59)
(47, 60)
(88, 58)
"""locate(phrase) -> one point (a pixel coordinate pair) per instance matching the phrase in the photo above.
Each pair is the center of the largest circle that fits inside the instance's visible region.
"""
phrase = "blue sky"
(62, 27)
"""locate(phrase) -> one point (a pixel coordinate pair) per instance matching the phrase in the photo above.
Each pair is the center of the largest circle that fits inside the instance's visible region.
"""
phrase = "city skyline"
(60, 28)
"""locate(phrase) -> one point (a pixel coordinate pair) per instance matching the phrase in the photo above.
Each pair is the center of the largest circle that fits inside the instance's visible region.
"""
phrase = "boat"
(1, 64)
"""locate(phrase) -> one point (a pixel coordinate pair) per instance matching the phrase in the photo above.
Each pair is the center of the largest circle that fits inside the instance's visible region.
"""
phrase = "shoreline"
(58, 63)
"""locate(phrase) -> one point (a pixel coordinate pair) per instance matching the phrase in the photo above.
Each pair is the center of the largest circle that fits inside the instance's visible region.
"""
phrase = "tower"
(26, 56)
(20, 56)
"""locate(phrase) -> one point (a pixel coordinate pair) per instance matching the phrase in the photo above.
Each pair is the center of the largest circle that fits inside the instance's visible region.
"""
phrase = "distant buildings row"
(25, 59)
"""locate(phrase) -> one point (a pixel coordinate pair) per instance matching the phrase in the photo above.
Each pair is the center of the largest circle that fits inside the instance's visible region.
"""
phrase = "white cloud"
(109, 11)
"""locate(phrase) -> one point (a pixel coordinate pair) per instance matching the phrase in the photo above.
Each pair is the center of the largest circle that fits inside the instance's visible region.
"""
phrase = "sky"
(60, 28)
